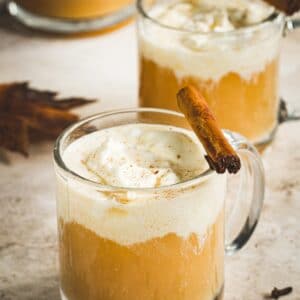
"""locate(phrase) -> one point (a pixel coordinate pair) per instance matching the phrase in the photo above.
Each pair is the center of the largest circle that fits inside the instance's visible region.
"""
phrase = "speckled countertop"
(105, 67)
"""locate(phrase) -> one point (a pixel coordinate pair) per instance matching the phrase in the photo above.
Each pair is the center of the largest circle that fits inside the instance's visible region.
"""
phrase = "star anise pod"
(29, 116)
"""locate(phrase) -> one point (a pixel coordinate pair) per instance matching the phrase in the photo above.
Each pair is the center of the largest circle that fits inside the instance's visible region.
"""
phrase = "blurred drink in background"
(71, 16)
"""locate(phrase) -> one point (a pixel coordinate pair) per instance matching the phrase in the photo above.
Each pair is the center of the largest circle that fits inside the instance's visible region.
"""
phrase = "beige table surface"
(105, 67)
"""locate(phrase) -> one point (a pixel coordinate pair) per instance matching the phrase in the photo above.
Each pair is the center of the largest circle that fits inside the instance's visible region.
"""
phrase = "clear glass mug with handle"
(149, 243)
(237, 71)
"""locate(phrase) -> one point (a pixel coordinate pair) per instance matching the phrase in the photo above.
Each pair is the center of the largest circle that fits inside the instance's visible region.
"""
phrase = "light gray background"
(105, 67)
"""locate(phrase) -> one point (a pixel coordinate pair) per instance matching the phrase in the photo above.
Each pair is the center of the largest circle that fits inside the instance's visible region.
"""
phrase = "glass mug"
(236, 71)
(71, 16)
(119, 243)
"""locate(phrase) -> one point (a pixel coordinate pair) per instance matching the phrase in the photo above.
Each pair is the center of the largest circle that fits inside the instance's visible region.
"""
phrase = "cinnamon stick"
(287, 6)
(220, 154)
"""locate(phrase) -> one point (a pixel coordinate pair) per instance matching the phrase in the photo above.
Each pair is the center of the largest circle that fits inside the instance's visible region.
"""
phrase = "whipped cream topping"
(140, 155)
(137, 156)
(210, 15)
(194, 53)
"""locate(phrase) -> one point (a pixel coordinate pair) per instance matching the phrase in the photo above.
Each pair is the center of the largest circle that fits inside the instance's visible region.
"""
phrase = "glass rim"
(275, 17)
(59, 162)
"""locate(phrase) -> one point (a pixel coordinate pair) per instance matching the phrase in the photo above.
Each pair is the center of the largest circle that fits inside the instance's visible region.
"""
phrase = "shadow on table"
(44, 289)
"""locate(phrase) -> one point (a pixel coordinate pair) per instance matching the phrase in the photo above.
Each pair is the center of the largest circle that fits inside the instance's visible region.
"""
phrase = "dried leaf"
(12, 97)
(14, 133)
(30, 116)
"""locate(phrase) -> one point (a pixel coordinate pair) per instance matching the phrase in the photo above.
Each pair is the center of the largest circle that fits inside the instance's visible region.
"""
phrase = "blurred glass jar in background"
(233, 64)
(71, 16)
(229, 50)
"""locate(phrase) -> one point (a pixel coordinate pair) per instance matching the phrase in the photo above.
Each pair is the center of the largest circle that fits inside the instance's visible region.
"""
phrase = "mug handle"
(251, 189)
(286, 113)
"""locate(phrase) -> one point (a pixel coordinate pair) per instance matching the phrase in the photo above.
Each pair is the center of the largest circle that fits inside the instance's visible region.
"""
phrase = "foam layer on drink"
(140, 156)
(180, 37)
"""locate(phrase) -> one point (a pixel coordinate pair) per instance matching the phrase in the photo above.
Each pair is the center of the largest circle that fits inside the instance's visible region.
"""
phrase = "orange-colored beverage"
(73, 9)
(249, 107)
(71, 16)
(170, 267)
(232, 59)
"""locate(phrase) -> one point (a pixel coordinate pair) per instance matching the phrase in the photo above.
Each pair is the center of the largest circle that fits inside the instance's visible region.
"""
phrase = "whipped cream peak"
(137, 156)
(211, 16)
